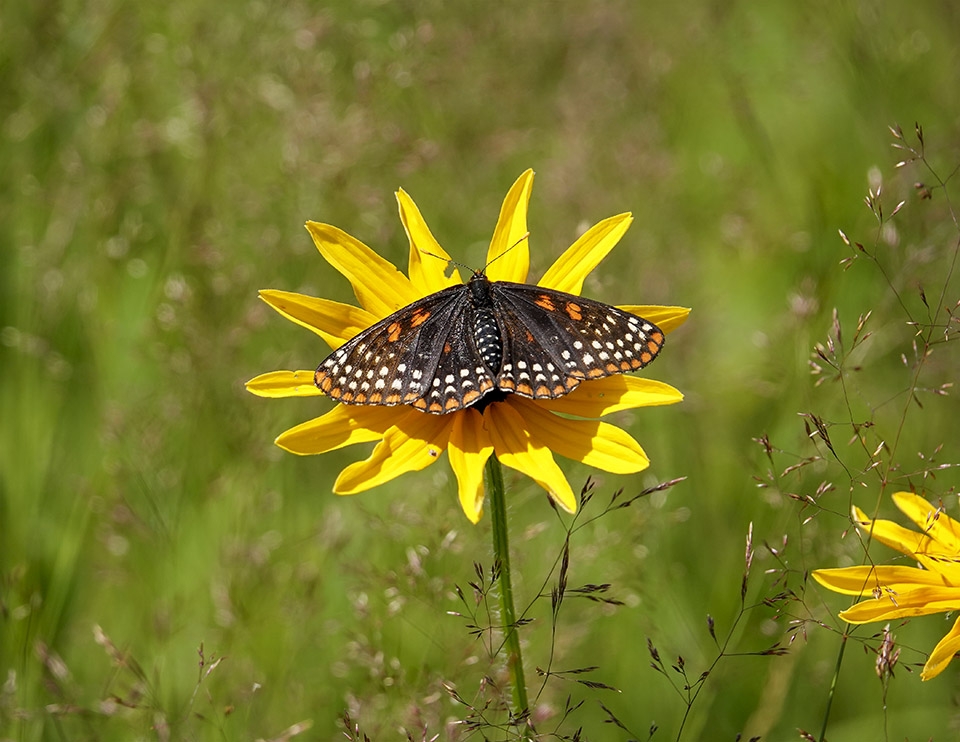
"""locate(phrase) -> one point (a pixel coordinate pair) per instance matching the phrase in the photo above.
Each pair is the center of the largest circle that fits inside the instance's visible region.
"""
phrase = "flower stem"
(501, 552)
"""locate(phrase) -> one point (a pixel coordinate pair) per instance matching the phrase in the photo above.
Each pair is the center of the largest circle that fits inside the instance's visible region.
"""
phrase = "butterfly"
(474, 343)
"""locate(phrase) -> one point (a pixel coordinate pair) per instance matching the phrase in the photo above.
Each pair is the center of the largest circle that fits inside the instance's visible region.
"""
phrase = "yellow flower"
(523, 433)
(900, 592)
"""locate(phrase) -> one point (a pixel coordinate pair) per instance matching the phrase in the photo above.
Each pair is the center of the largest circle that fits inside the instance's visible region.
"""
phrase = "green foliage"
(166, 573)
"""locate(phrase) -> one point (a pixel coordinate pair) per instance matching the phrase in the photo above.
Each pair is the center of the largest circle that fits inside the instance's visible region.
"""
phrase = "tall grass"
(166, 573)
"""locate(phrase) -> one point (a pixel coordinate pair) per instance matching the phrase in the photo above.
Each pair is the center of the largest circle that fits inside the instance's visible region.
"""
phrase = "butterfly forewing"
(557, 338)
(394, 361)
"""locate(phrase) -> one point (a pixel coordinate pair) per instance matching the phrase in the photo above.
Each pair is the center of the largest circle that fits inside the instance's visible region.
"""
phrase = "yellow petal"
(864, 579)
(344, 425)
(916, 601)
(469, 448)
(413, 444)
(379, 287)
(942, 653)
(932, 521)
(336, 323)
(511, 226)
(569, 270)
(427, 272)
(284, 384)
(891, 534)
(600, 397)
(667, 319)
(514, 448)
(592, 442)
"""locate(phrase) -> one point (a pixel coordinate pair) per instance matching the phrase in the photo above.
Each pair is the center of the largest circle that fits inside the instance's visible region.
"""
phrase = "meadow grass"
(167, 573)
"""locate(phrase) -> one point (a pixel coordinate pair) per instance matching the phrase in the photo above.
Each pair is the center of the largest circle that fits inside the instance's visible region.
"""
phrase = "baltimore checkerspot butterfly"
(476, 342)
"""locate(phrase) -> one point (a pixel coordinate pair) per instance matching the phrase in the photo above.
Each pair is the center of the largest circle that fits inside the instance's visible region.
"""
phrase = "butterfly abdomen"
(486, 332)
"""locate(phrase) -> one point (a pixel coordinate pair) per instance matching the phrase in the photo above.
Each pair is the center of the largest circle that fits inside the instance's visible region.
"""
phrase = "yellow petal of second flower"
(916, 601)
(570, 269)
(511, 226)
(942, 654)
(892, 534)
(864, 579)
(932, 521)
(514, 448)
(413, 444)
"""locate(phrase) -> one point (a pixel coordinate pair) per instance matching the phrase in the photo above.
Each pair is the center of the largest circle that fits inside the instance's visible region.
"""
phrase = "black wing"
(552, 340)
(423, 355)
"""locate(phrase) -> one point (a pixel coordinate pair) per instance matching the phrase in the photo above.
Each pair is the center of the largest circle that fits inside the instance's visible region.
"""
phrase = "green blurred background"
(157, 163)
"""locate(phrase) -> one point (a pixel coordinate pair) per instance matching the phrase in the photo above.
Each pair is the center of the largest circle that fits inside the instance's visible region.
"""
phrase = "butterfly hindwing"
(460, 377)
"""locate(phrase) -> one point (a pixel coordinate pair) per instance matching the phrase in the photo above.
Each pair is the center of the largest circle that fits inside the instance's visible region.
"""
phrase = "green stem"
(501, 552)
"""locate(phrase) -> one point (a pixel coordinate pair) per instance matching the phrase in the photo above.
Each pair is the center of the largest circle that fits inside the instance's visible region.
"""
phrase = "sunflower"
(897, 591)
(522, 433)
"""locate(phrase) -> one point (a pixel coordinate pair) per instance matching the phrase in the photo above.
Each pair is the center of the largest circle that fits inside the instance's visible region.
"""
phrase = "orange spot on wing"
(558, 390)
(595, 372)
(625, 365)
(347, 397)
(546, 302)
(571, 382)
(646, 357)
(573, 310)
(436, 407)
(375, 398)
(420, 404)
(409, 396)
(451, 404)
(419, 317)
(508, 384)
(543, 391)
(525, 389)
(612, 367)
(394, 331)
(470, 396)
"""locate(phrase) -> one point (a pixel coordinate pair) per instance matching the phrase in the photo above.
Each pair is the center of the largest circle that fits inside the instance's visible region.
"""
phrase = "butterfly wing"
(552, 340)
(395, 361)
(461, 378)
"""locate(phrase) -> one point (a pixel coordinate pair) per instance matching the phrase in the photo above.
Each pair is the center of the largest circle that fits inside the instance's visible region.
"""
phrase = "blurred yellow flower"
(900, 592)
(523, 433)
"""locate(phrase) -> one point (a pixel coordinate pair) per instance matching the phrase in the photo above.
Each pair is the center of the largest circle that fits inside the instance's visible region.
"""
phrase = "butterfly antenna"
(525, 235)
(448, 261)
